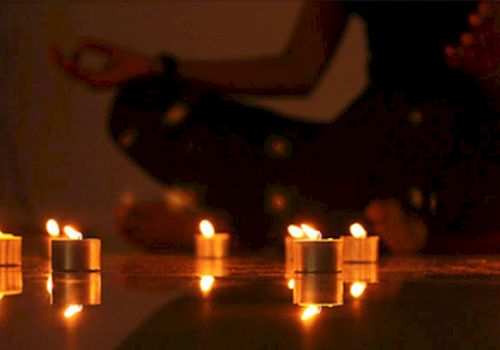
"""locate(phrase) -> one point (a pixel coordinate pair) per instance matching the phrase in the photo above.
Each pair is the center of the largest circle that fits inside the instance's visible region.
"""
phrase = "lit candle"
(10, 249)
(318, 289)
(315, 254)
(209, 244)
(74, 288)
(76, 253)
(359, 247)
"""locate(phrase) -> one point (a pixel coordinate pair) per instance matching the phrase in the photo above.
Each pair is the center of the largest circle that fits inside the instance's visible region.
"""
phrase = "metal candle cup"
(10, 250)
(318, 289)
(76, 254)
(321, 255)
(216, 246)
(360, 249)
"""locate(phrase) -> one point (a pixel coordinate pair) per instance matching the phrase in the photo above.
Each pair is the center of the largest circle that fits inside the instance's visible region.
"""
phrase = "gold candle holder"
(10, 249)
(73, 288)
(11, 280)
(318, 289)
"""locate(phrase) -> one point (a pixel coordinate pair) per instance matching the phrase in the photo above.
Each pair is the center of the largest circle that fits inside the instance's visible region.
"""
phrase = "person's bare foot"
(403, 233)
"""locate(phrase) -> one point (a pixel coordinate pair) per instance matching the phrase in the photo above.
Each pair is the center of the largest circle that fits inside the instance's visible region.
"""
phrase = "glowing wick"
(207, 229)
(296, 232)
(357, 289)
(72, 310)
(310, 312)
(311, 232)
(357, 231)
(72, 233)
(206, 283)
(52, 228)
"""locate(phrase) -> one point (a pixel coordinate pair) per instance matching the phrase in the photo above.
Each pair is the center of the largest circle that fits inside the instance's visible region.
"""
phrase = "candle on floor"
(315, 254)
(76, 253)
(359, 247)
(323, 289)
(294, 233)
(10, 249)
(209, 244)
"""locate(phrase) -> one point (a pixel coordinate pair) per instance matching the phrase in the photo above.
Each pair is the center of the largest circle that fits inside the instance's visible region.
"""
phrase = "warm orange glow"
(5, 235)
(72, 233)
(72, 310)
(1, 296)
(206, 283)
(357, 289)
(52, 228)
(311, 232)
(310, 312)
(357, 230)
(50, 285)
(296, 232)
(291, 283)
(207, 229)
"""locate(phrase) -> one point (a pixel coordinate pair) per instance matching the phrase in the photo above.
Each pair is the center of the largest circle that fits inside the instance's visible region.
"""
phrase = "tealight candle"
(76, 253)
(359, 247)
(209, 244)
(10, 249)
(315, 254)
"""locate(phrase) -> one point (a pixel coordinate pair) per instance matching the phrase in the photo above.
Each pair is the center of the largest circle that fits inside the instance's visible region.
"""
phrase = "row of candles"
(305, 250)
(305, 247)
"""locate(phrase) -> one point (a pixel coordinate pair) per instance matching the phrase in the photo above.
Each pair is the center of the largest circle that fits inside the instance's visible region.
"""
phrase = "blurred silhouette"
(415, 153)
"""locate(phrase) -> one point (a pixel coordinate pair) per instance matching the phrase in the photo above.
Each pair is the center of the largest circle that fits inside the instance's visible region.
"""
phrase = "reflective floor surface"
(179, 302)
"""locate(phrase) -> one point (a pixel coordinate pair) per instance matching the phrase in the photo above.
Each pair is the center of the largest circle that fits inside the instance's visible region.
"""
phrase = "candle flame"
(50, 284)
(310, 312)
(72, 310)
(357, 231)
(291, 284)
(207, 229)
(5, 235)
(296, 232)
(52, 228)
(1, 296)
(357, 289)
(206, 283)
(311, 232)
(72, 233)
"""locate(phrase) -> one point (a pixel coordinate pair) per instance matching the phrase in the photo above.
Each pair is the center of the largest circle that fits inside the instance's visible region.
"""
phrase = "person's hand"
(121, 64)
(479, 50)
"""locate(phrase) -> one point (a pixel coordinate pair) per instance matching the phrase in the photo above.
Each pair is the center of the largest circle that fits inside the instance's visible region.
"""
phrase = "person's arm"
(294, 71)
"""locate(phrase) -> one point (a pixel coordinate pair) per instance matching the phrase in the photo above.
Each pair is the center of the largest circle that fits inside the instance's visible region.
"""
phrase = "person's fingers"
(484, 9)
(452, 57)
